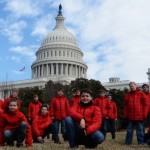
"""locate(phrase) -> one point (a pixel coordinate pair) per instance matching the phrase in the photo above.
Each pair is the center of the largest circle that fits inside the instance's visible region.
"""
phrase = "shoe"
(65, 139)
(40, 141)
(57, 142)
(10, 144)
(19, 145)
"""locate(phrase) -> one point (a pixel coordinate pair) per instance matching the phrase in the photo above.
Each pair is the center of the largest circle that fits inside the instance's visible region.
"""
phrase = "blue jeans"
(73, 130)
(104, 126)
(139, 132)
(63, 128)
(17, 134)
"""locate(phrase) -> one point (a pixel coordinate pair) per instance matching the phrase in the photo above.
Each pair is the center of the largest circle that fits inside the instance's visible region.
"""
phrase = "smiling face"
(13, 106)
(86, 97)
(145, 88)
(60, 93)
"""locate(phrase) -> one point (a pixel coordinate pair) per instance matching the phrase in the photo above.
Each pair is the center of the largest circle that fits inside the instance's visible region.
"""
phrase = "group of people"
(83, 120)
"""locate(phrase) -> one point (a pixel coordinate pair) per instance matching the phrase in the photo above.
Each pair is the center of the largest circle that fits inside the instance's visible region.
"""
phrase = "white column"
(56, 68)
(76, 70)
(66, 70)
(52, 69)
(47, 70)
(62, 68)
(71, 69)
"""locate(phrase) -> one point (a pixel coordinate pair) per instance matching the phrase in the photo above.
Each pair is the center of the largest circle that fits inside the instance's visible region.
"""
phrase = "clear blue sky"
(114, 35)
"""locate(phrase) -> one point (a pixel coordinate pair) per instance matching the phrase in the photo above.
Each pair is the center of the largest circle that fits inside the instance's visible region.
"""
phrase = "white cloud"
(114, 37)
(14, 58)
(14, 31)
(26, 51)
(42, 26)
(26, 8)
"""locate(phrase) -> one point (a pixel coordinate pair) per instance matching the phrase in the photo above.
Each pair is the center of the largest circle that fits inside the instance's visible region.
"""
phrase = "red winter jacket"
(148, 98)
(11, 120)
(103, 103)
(75, 100)
(1, 104)
(135, 105)
(112, 111)
(40, 124)
(33, 109)
(7, 100)
(90, 113)
(59, 108)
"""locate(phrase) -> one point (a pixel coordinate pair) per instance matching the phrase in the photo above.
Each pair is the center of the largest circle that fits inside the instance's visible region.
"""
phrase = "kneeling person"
(84, 123)
(14, 126)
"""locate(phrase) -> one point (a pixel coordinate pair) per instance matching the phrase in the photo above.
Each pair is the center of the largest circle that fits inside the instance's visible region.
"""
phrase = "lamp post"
(148, 73)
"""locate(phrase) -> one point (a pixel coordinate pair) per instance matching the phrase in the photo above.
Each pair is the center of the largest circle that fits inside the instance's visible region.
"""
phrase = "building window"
(47, 54)
(63, 53)
(59, 53)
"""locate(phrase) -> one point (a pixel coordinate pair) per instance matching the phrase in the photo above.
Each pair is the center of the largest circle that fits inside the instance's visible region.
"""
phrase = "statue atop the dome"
(60, 8)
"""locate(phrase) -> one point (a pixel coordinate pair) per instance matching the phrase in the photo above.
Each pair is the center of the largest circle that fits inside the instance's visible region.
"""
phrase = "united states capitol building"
(61, 60)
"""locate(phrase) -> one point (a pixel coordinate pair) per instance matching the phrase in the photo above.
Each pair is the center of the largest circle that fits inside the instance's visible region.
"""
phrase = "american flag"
(23, 69)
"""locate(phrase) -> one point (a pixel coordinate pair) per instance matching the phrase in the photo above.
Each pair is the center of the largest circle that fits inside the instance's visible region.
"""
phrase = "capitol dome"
(59, 58)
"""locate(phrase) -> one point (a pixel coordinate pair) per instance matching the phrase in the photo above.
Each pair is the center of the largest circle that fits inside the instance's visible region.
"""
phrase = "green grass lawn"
(108, 144)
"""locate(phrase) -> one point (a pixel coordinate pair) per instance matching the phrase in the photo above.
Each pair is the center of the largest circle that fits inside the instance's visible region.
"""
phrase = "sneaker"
(40, 141)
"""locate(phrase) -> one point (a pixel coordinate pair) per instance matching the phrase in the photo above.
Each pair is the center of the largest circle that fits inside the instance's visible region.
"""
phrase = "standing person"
(14, 126)
(34, 108)
(42, 123)
(112, 116)
(103, 103)
(76, 98)
(59, 110)
(135, 110)
(145, 88)
(14, 95)
(84, 122)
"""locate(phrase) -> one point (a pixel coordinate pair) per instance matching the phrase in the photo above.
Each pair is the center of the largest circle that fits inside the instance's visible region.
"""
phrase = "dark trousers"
(103, 128)
(76, 135)
(111, 127)
(17, 134)
(51, 130)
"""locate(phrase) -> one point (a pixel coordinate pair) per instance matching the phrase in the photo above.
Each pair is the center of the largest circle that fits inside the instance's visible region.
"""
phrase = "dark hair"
(13, 100)
(76, 89)
(35, 95)
(145, 85)
(45, 105)
(102, 90)
(86, 91)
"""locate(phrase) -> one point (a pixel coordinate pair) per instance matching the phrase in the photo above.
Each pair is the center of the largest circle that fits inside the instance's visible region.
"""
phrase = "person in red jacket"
(14, 95)
(145, 88)
(84, 122)
(40, 124)
(112, 116)
(59, 110)
(103, 103)
(76, 98)
(34, 108)
(1, 104)
(14, 127)
(135, 110)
